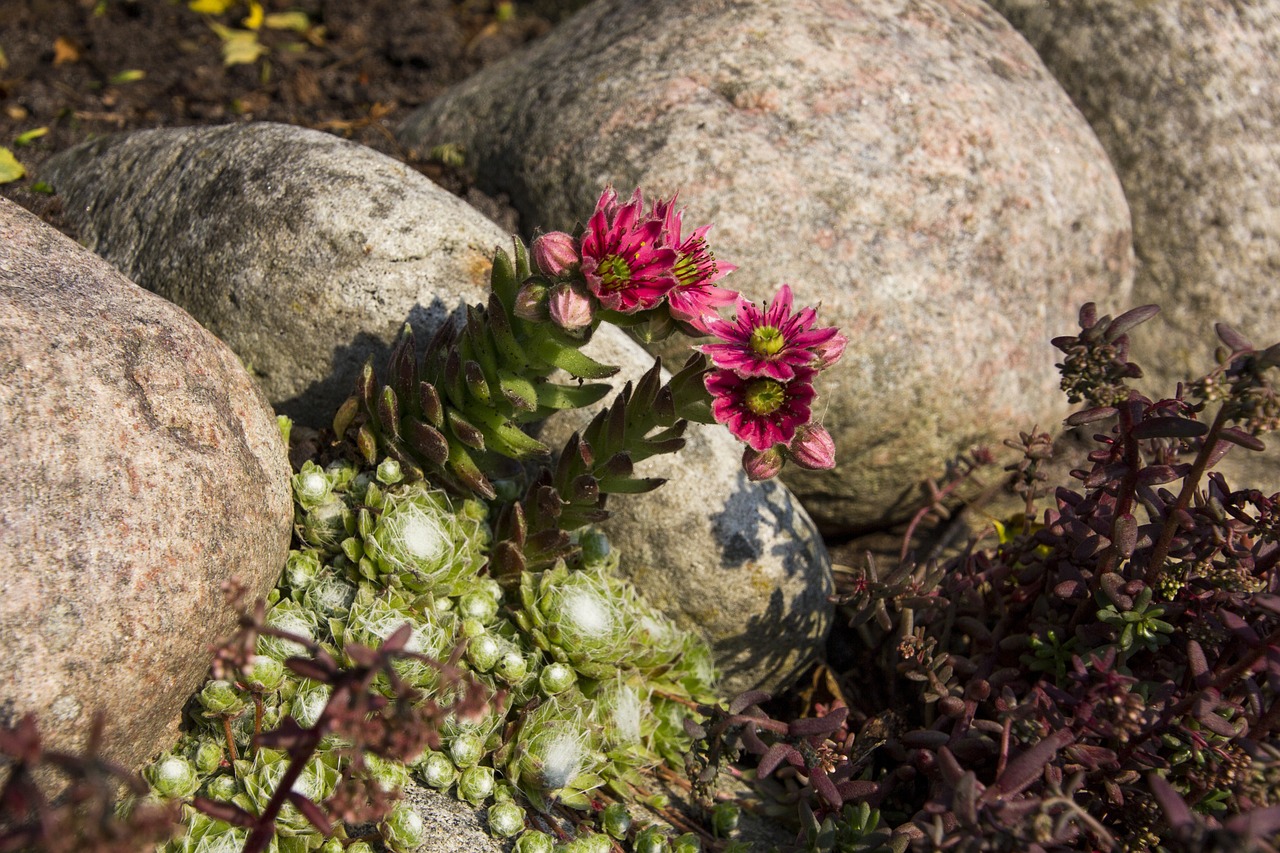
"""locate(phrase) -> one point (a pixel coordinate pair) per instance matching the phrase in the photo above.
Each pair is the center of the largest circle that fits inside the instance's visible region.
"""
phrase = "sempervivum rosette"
(556, 756)
(419, 542)
(577, 617)
(374, 616)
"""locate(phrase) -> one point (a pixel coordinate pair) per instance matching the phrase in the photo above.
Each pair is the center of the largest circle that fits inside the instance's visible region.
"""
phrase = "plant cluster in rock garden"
(1107, 677)
(489, 648)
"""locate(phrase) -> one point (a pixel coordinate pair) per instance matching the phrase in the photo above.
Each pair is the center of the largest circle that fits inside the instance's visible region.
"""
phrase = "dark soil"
(86, 68)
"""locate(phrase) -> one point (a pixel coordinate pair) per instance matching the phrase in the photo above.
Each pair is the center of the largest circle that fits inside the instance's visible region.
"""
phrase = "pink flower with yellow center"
(625, 260)
(760, 410)
(694, 299)
(774, 342)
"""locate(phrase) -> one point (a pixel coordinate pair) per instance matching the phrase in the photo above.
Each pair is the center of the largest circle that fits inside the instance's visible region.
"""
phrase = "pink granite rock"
(142, 469)
(910, 165)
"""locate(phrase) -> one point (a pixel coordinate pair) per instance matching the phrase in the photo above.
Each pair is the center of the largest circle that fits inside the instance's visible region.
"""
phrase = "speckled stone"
(740, 562)
(910, 165)
(142, 469)
(305, 253)
(1185, 97)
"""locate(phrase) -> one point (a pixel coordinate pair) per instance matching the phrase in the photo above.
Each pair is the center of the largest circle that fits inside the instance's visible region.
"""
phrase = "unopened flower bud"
(813, 448)
(333, 845)
(616, 820)
(531, 302)
(556, 253)
(476, 784)
(556, 678)
(828, 353)
(570, 307)
(360, 847)
(762, 464)
(533, 841)
(505, 819)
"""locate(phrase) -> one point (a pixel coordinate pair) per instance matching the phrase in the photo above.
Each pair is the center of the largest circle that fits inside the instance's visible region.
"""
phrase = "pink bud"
(531, 302)
(828, 353)
(556, 253)
(813, 448)
(571, 307)
(762, 464)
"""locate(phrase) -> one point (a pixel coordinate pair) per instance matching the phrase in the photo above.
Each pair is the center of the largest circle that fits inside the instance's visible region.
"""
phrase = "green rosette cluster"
(456, 414)
(596, 681)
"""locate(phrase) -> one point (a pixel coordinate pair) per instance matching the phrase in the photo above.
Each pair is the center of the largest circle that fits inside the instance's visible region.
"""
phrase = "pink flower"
(760, 410)
(555, 253)
(813, 448)
(625, 262)
(774, 342)
(693, 300)
(829, 353)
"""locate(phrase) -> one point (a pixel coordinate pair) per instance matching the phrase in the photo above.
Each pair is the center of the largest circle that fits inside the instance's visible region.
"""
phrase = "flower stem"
(231, 741)
(1155, 563)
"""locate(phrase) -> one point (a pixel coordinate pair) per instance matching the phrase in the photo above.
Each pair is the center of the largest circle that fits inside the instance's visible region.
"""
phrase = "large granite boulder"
(303, 252)
(763, 571)
(1185, 97)
(910, 165)
(142, 470)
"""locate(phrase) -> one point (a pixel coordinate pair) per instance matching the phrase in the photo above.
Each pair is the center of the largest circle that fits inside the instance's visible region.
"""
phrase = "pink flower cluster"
(633, 260)
(762, 384)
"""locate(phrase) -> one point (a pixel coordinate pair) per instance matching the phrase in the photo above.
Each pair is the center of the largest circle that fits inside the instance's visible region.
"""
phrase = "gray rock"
(142, 469)
(452, 826)
(911, 165)
(740, 562)
(1185, 98)
(755, 567)
(303, 252)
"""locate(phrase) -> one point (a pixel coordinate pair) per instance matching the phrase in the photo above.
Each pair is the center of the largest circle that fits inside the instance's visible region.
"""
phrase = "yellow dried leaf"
(132, 75)
(296, 21)
(254, 20)
(4, 60)
(210, 7)
(10, 168)
(239, 47)
(29, 136)
(64, 51)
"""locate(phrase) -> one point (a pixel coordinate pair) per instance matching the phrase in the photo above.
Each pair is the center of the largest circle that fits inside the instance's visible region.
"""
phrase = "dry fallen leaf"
(65, 51)
(10, 168)
(210, 7)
